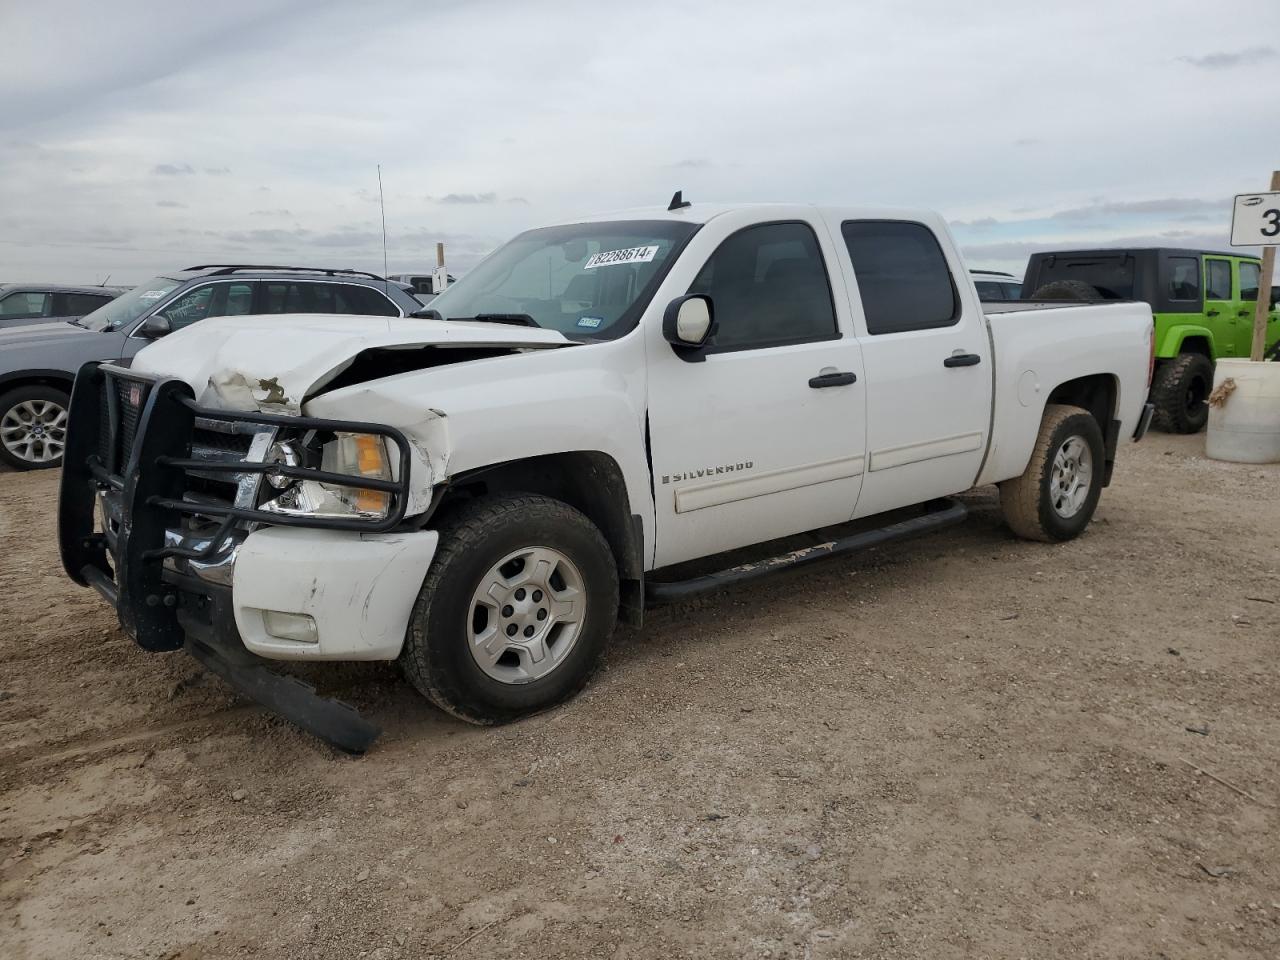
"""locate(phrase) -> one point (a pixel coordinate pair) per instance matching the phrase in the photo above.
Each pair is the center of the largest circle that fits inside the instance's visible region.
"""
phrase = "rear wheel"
(515, 611)
(1056, 495)
(33, 427)
(1180, 392)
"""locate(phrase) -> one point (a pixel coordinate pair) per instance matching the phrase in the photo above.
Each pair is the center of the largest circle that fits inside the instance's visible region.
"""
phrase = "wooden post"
(1263, 306)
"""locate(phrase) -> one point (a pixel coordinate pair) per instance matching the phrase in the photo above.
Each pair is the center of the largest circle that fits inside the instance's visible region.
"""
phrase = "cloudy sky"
(137, 137)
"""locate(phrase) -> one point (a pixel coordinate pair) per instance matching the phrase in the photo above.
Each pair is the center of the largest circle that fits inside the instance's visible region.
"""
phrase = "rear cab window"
(1250, 278)
(1112, 275)
(903, 277)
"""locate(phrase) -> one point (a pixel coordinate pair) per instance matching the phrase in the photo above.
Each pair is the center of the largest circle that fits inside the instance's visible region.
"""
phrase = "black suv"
(38, 362)
(23, 303)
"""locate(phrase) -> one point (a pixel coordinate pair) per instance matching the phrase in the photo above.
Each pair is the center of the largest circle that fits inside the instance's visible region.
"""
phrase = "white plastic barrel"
(1245, 427)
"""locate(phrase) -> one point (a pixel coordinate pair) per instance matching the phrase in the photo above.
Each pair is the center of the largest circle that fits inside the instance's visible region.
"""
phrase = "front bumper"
(183, 568)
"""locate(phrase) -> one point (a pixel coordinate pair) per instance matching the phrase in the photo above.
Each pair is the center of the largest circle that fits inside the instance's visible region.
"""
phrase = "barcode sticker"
(609, 258)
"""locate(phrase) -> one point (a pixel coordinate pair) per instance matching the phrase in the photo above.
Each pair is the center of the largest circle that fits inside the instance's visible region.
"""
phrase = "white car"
(996, 286)
(483, 494)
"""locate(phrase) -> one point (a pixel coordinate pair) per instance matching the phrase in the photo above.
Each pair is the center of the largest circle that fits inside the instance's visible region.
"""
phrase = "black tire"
(12, 414)
(1067, 290)
(1028, 500)
(1180, 391)
(436, 658)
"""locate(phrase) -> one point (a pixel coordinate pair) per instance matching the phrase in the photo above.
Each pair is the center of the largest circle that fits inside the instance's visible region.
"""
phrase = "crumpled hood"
(273, 363)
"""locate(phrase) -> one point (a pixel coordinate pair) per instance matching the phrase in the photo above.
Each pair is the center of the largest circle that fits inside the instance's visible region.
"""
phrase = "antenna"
(386, 283)
(104, 282)
(678, 201)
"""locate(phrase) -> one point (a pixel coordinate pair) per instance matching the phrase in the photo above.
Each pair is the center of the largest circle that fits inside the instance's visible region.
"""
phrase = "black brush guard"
(129, 438)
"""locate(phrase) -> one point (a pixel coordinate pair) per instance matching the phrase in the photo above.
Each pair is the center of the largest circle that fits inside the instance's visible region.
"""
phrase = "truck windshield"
(128, 306)
(590, 281)
(1111, 275)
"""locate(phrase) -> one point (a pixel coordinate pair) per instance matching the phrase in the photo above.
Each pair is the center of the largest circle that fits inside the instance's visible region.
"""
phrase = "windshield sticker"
(591, 322)
(152, 295)
(628, 255)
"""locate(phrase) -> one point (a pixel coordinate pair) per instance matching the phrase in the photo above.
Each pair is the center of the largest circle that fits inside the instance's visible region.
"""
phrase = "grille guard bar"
(150, 486)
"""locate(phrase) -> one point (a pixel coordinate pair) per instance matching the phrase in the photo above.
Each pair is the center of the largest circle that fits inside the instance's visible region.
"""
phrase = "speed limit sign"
(1255, 221)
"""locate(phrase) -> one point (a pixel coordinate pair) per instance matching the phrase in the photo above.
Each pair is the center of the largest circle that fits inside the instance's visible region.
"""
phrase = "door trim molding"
(731, 490)
(926, 450)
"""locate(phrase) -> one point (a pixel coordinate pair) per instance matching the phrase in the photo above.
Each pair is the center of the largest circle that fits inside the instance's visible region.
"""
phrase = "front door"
(928, 363)
(1221, 309)
(761, 435)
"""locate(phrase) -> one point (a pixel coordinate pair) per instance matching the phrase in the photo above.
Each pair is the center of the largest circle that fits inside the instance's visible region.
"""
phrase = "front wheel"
(516, 610)
(1056, 495)
(33, 427)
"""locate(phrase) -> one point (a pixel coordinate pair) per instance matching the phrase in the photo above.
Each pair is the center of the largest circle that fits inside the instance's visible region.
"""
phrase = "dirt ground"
(965, 746)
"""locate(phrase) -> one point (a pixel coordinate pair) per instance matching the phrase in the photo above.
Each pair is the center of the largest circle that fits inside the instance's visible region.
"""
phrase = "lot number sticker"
(611, 258)
(1256, 220)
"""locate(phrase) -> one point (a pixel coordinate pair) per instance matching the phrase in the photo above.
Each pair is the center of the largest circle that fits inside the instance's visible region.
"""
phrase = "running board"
(948, 515)
(332, 721)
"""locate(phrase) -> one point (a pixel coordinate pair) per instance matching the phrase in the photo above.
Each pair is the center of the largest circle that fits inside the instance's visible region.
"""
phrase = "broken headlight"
(357, 455)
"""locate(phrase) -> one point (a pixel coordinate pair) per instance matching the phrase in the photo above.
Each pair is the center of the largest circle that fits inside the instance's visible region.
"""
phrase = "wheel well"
(585, 479)
(1198, 345)
(1095, 393)
(37, 379)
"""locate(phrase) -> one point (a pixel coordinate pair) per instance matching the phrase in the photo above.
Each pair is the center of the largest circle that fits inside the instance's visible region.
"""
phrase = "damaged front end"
(225, 532)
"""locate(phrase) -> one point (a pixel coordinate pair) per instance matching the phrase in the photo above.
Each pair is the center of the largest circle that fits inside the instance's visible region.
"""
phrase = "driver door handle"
(837, 378)
(962, 360)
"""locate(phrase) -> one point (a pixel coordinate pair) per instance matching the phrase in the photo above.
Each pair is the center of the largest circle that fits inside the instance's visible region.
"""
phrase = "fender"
(36, 376)
(1169, 342)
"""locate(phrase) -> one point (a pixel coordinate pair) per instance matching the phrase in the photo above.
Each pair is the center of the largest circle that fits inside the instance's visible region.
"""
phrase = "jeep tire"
(516, 609)
(1056, 495)
(1180, 391)
(1066, 290)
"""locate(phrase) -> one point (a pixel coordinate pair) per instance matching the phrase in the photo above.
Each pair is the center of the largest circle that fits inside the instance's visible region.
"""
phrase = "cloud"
(1013, 250)
(1169, 206)
(217, 171)
(693, 163)
(982, 223)
(172, 169)
(1227, 61)
(270, 213)
(171, 203)
(468, 198)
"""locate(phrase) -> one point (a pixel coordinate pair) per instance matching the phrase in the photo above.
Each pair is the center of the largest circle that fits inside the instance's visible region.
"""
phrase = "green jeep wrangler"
(1203, 305)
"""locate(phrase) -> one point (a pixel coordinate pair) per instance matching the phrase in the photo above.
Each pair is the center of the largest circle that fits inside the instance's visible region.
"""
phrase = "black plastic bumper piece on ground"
(332, 721)
(948, 514)
(1144, 421)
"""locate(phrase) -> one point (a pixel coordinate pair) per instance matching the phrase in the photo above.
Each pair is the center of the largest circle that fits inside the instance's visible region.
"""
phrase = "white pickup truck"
(480, 495)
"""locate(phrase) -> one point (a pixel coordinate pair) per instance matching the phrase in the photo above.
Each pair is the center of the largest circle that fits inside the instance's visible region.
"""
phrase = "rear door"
(927, 359)
(1221, 308)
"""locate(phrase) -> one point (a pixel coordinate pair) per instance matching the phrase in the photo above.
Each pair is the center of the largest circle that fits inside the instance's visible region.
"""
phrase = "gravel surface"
(964, 746)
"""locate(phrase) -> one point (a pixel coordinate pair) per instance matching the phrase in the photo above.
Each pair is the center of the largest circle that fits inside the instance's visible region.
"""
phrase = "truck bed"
(1020, 306)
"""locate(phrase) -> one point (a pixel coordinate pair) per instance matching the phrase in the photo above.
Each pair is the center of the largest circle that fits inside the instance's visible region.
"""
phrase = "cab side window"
(1250, 275)
(18, 305)
(1184, 278)
(1217, 279)
(768, 287)
(211, 300)
(300, 296)
(77, 304)
(903, 277)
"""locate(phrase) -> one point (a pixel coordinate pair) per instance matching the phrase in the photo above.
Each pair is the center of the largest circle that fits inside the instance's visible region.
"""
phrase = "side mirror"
(426, 313)
(155, 326)
(688, 322)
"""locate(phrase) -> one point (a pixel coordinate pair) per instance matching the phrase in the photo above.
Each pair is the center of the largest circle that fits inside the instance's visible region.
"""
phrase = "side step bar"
(332, 721)
(948, 514)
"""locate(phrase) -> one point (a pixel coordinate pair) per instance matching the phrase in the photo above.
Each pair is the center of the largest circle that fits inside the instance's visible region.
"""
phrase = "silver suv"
(38, 362)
